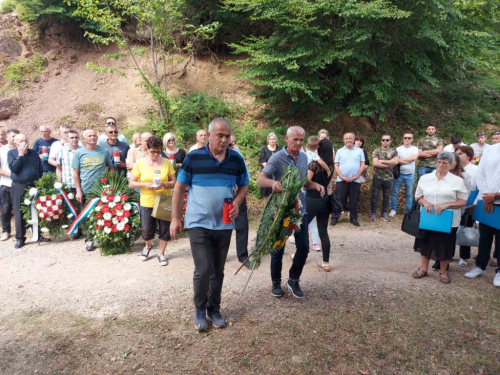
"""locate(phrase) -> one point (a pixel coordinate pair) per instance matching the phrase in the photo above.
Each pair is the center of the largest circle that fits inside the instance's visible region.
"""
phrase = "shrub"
(23, 73)
(8, 6)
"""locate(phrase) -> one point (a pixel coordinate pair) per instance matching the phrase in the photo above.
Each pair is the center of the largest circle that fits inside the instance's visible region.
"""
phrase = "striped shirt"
(64, 159)
(210, 182)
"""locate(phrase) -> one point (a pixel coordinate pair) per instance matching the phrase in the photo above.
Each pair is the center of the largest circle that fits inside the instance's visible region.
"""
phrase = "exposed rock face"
(7, 108)
(9, 46)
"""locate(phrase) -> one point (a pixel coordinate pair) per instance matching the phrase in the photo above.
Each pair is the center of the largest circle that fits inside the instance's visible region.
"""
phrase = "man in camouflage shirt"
(428, 148)
(384, 159)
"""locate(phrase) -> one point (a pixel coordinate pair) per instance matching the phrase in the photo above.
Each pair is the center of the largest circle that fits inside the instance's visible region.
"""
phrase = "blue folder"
(472, 198)
(492, 220)
(435, 222)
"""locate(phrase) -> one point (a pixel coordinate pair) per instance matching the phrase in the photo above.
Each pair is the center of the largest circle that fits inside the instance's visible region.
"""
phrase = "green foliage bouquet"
(113, 219)
(53, 204)
(280, 218)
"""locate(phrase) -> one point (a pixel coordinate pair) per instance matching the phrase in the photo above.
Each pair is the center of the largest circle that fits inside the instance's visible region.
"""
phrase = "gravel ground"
(63, 276)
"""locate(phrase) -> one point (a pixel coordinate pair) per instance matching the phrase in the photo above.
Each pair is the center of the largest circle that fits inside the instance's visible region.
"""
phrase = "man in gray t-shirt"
(270, 177)
(480, 146)
(89, 163)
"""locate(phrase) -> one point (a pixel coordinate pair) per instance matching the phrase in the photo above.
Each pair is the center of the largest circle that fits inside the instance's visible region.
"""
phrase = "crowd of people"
(214, 173)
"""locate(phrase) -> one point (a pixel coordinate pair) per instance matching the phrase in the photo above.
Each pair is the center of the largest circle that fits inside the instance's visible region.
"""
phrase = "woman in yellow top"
(153, 175)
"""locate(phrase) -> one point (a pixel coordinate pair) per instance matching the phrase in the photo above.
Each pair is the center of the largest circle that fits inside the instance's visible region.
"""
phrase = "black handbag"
(336, 205)
(396, 171)
(411, 222)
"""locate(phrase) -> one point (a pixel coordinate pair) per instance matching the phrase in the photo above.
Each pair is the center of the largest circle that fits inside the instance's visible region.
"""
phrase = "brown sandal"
(325, 267)
(418, 274)
(444, 278)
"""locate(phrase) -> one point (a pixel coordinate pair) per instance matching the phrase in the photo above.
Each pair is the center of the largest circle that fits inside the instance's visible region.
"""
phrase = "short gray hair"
(445, 155)
(215, 121)
(64, 127)
(293, 129)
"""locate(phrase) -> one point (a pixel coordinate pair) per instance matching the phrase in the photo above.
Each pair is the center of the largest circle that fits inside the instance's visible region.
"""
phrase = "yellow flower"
(286, 222)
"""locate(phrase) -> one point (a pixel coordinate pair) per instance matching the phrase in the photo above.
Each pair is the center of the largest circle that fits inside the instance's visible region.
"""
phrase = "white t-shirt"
(406, 152)
(478, 150)
(311, 156)
(450, 147)
(471, 171)
(5, 181)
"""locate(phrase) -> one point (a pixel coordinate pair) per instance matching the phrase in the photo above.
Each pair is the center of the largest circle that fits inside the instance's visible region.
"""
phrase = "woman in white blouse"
(439, 190)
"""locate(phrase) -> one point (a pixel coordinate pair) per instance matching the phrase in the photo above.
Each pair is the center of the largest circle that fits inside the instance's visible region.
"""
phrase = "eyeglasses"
(407, 137)
(386, 140)
(113, 132)
(110, 123)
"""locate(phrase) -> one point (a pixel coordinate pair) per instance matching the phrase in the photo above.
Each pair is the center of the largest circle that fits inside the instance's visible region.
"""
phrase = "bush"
(23, 73)
(8, 6)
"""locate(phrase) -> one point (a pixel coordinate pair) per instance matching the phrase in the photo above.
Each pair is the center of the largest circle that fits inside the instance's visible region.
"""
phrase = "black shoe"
(77, 236)
(277, 292)
(246, 264)
(200, 320)
(43, 239)
(216, 319)
(293, 285)
(334, 221)
(355, 223)
(20, 243)
(435, 266)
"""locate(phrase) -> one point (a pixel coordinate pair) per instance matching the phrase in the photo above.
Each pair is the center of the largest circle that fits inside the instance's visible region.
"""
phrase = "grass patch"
(23, 73)
(88, 108)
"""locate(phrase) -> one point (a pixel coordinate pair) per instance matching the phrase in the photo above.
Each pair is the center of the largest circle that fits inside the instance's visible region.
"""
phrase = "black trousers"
(486, 234)
(386, 187)
(465, 250)
(299, 260)
(209, 249)
(150, 223)
(343, 190)
(17, 194)
(241, 226)
(7, 213)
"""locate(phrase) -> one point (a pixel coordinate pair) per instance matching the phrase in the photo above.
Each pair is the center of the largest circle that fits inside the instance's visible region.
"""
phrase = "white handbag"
(468, 236)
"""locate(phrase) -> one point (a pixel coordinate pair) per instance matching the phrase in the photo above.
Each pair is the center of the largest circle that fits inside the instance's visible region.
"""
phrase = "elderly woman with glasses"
(439, 190)
(154, 175)
(174, 154)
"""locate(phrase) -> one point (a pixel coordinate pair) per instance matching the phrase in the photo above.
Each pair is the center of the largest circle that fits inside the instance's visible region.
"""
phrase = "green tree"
(366, 57)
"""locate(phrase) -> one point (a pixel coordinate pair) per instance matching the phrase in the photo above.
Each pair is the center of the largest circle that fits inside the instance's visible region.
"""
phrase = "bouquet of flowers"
(113, 215)
(49, 206)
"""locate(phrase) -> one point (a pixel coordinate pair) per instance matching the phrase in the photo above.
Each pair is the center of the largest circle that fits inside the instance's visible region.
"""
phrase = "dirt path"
(58, 291)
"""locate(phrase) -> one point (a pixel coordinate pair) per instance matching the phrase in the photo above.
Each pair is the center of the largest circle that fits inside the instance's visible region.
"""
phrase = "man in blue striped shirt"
(211, 173)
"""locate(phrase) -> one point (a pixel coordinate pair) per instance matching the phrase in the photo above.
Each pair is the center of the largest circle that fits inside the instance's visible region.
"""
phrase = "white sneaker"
(5, 236)
(462, 263)
(496, 280)
(475, 272)
(145, 253)
(392, 213)
(163, 261)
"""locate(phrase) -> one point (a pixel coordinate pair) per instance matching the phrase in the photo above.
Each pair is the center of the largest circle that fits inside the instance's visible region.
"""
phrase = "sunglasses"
(481, 134)
(171, 140)
(110, 123)
(407, 137)
(496, 133)
(386, 140)
(113, 132)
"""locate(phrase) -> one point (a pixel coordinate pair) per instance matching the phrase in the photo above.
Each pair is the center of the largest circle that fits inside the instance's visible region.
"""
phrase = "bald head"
(19, 138)
(144, 140)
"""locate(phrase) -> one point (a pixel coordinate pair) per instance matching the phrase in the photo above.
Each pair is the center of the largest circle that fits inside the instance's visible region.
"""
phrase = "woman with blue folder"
(436, 192)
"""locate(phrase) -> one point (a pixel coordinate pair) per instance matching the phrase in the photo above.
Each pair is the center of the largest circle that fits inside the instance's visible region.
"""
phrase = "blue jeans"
(409, 181)
(299, 260)
(424, 170)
